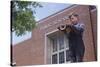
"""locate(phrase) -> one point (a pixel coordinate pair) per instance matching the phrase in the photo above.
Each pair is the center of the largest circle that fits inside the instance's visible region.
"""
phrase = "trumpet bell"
(62, 27)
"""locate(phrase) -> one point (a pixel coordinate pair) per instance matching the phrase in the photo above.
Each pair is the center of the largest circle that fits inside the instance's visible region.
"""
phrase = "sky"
(46, 10)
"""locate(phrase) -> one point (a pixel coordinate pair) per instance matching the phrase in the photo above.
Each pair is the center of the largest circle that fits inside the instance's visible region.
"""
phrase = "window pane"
(66, 41)
(61, 57)
(54, 59)
(68, 55)
(54, 44)
(61, 42)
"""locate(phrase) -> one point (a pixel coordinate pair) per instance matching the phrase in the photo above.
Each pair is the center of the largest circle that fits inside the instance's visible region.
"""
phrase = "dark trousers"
(76, 57)
(76, 47)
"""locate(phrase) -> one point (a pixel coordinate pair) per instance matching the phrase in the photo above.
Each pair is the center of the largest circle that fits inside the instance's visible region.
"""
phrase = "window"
(54, 41)
(60, 50)
(68, 55)
(54, 59)
(61, 42)
(61, 57)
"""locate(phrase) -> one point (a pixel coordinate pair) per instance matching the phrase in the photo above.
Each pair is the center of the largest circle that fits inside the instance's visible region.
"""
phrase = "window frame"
(62, 50)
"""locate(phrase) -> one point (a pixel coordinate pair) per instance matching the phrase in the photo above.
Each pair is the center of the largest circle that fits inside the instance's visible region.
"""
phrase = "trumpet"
(65, 28)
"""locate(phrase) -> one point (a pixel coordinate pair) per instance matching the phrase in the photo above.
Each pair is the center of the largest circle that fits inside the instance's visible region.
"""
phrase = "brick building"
(39, 48)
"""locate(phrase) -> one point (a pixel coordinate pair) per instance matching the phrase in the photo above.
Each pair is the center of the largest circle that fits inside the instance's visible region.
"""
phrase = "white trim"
(58, 52)
(45, 49)
(52, 31)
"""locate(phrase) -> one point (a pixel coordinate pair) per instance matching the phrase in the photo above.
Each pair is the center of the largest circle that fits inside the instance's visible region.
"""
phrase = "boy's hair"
(76, 15)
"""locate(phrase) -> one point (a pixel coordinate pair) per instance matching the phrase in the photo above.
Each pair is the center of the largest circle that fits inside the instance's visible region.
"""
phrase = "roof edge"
(56, 13)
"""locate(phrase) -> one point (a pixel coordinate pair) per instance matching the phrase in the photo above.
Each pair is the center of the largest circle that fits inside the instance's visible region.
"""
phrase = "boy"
(76, 44)
(74, 30)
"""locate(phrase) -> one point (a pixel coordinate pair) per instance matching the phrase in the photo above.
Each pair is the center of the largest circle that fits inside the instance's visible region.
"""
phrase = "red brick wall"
(22, 53)
(32, 51)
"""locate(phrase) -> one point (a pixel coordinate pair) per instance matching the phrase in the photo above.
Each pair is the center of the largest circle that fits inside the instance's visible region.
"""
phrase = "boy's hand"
(68, 22)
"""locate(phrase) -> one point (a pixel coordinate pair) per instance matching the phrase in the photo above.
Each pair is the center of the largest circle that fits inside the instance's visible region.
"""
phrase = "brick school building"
(44, 47)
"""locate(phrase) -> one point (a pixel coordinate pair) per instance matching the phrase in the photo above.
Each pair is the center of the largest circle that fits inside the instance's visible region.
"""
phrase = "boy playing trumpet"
(75, 33)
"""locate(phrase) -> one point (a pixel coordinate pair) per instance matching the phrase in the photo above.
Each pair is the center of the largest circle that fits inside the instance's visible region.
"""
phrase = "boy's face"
(74, 19)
